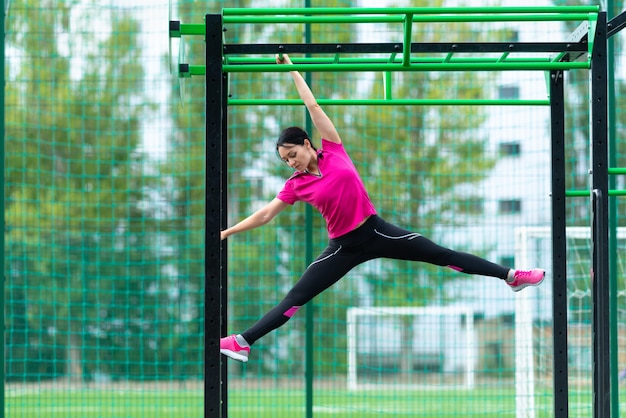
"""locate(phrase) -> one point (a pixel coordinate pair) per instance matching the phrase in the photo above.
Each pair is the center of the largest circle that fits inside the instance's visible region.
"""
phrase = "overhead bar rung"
(405, 10)
(408, 29)
(390, 102)
(562, 17)
(502, 66)
(587, 193)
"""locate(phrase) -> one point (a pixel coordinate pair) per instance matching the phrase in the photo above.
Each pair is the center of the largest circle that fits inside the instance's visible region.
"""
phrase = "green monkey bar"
(390, 102)
(404, 55)
(612, 192)
(440, 11)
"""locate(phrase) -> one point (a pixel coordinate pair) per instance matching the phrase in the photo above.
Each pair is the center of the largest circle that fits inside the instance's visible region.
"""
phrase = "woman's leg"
(394, 242)
(325, 271)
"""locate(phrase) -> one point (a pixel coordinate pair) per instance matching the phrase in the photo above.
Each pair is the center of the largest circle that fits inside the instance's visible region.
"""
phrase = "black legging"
(374, 239)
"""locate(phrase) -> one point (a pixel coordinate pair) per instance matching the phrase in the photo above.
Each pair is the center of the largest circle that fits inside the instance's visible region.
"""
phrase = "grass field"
(278, 398)
(98, 403)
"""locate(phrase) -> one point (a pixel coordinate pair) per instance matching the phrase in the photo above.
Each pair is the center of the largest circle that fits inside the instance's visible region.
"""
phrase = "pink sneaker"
(231, 348)
(525, 278)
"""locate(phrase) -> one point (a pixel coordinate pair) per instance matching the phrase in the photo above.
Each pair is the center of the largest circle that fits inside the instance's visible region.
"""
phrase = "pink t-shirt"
(339, 194)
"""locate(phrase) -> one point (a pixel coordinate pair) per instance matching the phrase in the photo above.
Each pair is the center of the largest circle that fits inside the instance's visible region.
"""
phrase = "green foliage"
(84, 252)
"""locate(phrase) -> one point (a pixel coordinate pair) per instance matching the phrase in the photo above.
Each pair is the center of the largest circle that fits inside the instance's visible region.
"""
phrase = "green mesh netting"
(104, 214)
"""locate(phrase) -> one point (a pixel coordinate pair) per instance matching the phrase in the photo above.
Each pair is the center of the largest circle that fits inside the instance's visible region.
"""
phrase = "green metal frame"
(401, 61)
(406, 17)
(404, 59)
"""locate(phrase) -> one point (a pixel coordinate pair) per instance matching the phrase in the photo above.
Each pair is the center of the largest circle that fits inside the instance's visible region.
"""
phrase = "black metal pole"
(559, 245)
(600, 194)
(224, 247)
(215, 211)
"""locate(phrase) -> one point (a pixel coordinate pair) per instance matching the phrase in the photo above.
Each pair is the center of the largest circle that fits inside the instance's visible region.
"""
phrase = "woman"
(328, 180)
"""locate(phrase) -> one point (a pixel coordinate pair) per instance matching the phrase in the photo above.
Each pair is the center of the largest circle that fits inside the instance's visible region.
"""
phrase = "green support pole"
(408, 29)
(310, 307)
(2, 226)
(2, 181)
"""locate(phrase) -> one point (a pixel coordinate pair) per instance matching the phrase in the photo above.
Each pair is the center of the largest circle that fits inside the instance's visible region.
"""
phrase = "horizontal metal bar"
(587, 193)
(417, 62)
(389, 102)
(186, 70)
(616, 24)
(617, 170)
(312, 19)
(405, 10)
(382, 61)
(416, 47)
(497, 66)
(192, 28)
(443, 18)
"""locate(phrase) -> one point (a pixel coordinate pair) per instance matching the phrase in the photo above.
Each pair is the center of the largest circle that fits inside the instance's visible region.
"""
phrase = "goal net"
(440, 346)
(408, 347)
(533, 334)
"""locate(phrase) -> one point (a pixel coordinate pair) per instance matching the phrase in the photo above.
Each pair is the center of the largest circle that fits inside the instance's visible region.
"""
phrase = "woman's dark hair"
(293, 136)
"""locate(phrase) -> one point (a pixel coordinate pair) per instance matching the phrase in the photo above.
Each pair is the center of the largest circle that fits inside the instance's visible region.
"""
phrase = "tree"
(78, 230)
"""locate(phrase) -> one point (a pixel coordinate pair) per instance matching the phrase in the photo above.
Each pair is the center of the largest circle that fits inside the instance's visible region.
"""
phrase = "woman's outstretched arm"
(321, 121)
(258, 218)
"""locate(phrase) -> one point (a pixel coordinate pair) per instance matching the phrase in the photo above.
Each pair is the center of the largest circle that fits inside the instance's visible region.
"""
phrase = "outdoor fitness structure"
(586, 49)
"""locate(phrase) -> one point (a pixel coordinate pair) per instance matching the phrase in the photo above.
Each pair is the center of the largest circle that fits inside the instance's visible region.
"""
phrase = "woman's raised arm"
(322, 122)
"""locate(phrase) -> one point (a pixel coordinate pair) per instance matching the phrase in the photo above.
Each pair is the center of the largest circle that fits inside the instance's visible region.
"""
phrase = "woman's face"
(297, 157)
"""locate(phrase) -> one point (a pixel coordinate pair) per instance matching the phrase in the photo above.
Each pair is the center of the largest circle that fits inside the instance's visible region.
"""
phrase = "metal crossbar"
(402, 55)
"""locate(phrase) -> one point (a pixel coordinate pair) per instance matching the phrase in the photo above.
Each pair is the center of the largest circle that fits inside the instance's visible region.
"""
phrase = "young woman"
(328, 180)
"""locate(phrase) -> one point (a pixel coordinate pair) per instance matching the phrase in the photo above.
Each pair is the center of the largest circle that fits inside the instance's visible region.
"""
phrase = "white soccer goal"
(408, 347)
(534, 350)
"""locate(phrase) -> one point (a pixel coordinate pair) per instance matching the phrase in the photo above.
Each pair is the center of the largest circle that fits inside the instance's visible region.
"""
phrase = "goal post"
(409, 347)
(534, 351)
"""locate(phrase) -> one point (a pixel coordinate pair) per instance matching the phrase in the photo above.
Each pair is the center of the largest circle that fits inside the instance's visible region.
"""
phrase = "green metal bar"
(238, 65)
(593, 22)
(559, 56)
(406, 51)
(587, 193)
(194, 70)
(388, 87)
(613, 220)
(391, 15)
(389, 61)
(311, 19)
(503, 57)
(310, 307)
(192, 29)
(390, 102)
(503, 66)
(397, 19)
(405, 10)
(2, 219)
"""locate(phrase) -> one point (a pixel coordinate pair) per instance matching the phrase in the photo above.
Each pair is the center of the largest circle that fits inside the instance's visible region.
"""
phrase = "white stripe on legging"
(327, 257)
(408, 236)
